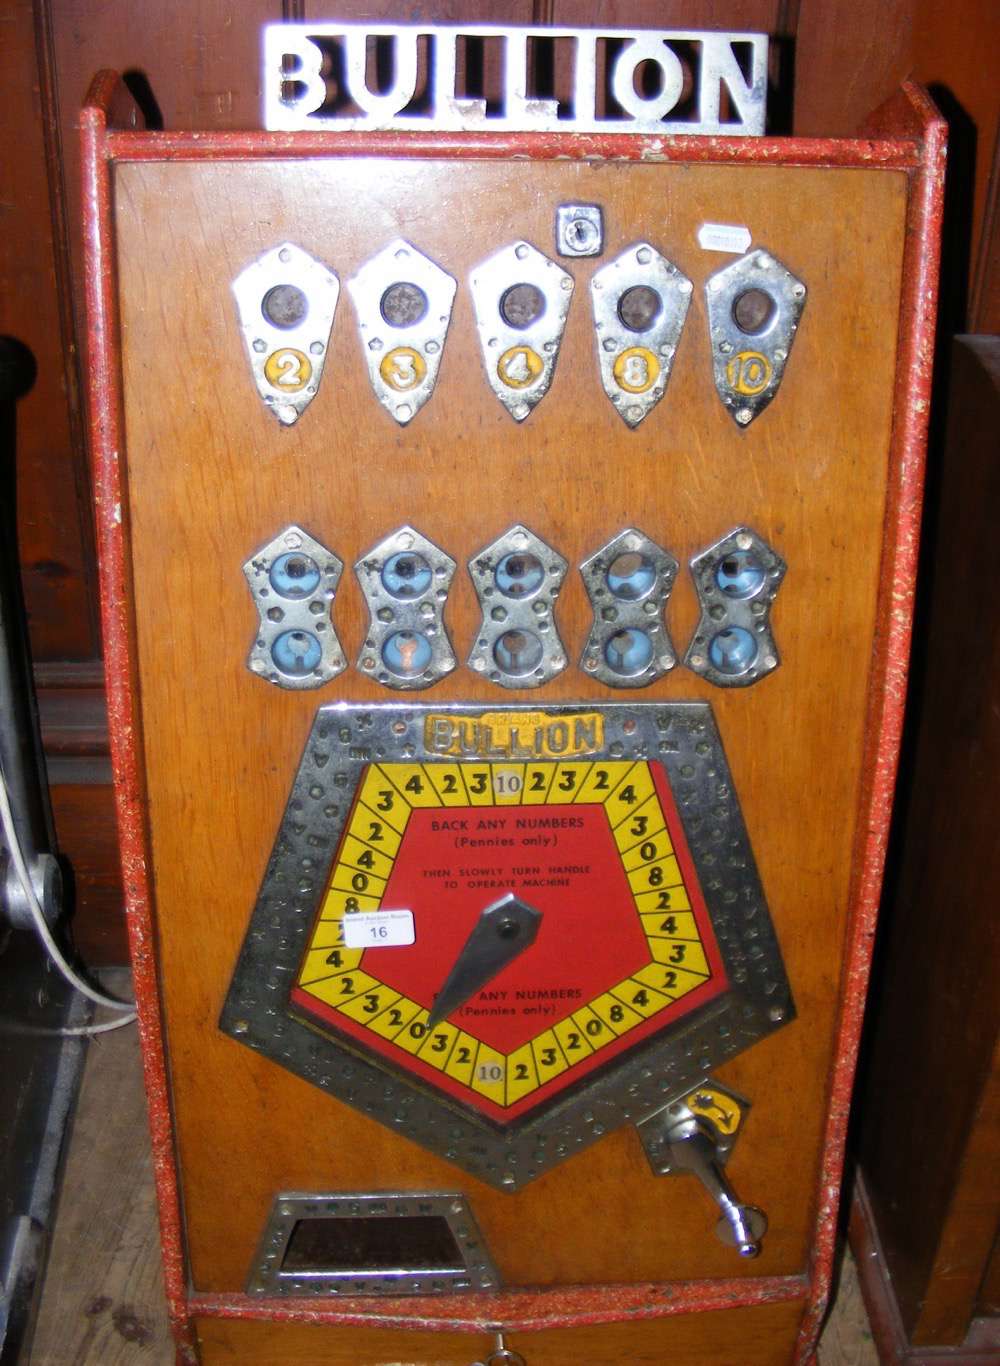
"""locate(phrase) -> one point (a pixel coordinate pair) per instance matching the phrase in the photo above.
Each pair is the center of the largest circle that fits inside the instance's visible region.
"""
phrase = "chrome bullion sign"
(354, 76)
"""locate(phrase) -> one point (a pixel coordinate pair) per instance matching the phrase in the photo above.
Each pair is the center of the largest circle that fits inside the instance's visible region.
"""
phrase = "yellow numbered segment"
(640, 997)
(437, 1046)
(671, 925)
(489, 1073)
(597, 1032)
(478, 784)
(537, 781)
(338, 990)
(412, 783)
(394, 1020)
(634, 788)
(367, 825)
(679, 953)
(567, 782)
(365, 857)
(650, 850)
(325, 960)
(382, 798)
(573, 1041)
(522, 1077)
(370, 1004)
(647, 819)
(650, 877)
(672, 982)
(462, 1058)
(448, 783)
(412, 1037)
(337, 904)
(615, 1014)
(603, 778)
(549, 1057)
(663, 899)
(356, 883)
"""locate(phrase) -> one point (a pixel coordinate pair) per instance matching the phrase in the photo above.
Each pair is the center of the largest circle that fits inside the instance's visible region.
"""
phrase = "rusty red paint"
(890, 663)
(526, 1311)
(906, 135)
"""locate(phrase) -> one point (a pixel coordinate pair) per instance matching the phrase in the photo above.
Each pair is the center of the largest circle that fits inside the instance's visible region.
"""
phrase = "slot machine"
(508, 520)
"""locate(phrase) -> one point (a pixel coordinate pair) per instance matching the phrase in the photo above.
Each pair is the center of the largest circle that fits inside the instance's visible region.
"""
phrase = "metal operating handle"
(692, 1148)
(502, 1355)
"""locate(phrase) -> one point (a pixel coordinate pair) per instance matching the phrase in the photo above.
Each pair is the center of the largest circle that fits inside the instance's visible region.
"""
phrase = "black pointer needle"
(504, 929)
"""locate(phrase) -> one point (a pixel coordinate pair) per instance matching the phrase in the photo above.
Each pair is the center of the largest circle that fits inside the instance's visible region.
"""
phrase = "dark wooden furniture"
(926, 1213)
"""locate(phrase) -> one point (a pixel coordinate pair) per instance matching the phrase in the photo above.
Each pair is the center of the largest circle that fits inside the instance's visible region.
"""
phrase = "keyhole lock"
(579, 230)
(695, 1134)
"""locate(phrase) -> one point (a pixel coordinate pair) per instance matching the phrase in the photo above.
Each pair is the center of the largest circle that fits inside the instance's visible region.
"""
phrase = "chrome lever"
(693, 1149)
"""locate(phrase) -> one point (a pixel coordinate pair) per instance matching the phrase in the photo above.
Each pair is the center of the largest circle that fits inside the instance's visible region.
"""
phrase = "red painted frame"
(905, 134)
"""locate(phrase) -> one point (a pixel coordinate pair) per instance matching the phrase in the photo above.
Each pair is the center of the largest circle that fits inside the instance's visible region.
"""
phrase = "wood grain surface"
(102, 1301)
(213, 477)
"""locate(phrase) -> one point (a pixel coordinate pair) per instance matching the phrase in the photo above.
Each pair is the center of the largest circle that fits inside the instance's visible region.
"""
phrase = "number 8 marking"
(636, 370)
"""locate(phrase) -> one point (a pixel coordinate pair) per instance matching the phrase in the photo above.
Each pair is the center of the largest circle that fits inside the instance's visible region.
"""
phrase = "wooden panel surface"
(762, 1336)
(213, 477)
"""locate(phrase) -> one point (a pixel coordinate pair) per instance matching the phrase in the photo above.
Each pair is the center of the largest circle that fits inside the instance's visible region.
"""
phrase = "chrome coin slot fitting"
(286, 302)
(293, 581)
(405, 581)
(517, 580)
(628, 581)
(754, 307)
(403, 303)
(737, 580)
(383, 1244)
(521, 299)
(640, 302)
(695, 1135)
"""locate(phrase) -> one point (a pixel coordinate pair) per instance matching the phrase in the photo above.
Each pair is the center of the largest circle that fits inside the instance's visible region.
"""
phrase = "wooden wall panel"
(53, 499)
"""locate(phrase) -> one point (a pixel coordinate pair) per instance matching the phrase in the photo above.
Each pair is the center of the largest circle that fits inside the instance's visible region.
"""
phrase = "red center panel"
(562, 861)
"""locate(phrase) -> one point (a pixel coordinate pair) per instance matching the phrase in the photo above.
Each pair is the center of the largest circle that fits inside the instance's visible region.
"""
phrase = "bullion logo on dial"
(504, 931)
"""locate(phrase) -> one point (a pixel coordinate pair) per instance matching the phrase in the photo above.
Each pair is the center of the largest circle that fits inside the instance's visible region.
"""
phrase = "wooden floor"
(102, 1303)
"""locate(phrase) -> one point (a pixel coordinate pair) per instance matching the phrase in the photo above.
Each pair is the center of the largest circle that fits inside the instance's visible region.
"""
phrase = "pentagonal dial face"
(504, 932)
(623, 947)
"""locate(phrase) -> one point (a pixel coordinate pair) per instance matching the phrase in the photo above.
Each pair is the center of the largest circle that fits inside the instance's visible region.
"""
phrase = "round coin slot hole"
(406, 575)
(628, 652)
(296, 653)
(630, 576)
(403, 304)
(519, 574)
(518, 652)
(284, 306)
(754, 311)
(740, 574)
(732, 651)
(522, 305)
(639, 308)
(294, 575)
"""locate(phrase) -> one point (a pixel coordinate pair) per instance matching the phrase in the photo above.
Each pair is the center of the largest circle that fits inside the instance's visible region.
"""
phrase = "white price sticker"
(378, 929)
(724, 237)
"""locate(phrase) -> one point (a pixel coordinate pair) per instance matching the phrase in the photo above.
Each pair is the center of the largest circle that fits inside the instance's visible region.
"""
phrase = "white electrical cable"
(43, 931)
